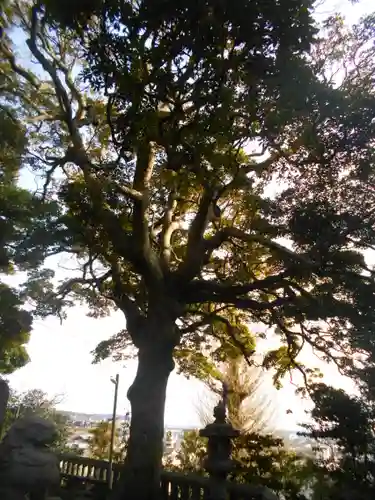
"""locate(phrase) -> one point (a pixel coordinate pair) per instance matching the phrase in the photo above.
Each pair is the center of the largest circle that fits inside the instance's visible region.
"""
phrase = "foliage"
(343, 427)
(15, 322)
(99, 441)
(75, 449)
(190, 455)
(264, 459)
(36, 402)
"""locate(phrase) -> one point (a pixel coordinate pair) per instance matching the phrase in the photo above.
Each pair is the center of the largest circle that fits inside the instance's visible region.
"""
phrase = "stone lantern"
(219, 449)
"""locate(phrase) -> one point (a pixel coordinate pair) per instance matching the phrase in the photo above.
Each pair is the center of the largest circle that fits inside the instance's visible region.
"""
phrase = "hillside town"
(81, 424)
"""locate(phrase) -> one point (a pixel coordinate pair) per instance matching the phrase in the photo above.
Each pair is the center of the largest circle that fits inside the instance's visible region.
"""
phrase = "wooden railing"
(81, 473)
(86, 469)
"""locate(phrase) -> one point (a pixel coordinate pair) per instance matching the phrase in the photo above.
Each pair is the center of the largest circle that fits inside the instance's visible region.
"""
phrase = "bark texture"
(141, 477)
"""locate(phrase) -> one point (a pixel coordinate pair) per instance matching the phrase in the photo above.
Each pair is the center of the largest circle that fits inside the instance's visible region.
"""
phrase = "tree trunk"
(4, 397)
(141, 477)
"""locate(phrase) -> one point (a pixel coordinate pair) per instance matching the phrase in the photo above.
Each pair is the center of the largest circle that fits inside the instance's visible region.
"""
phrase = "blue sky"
(61, 362)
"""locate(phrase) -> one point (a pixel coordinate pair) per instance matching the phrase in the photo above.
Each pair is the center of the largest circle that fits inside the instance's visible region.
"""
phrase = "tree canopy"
(155, 130)
(196, 104)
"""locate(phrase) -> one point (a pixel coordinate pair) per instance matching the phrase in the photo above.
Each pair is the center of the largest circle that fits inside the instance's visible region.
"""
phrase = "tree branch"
(206, 320)
(43, 117)
(209, 318)
(78, 155)
(270, 283)
(223, 295)
(227, 233)
(68, 286)
(27, 75)
(129, 307)
(141, 236)
(168, 228)
(202, 254)
(61, 93)
(67, 77)
(195, 248)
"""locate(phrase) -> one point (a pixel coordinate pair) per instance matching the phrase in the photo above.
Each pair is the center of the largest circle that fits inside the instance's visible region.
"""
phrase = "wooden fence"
(80, 473)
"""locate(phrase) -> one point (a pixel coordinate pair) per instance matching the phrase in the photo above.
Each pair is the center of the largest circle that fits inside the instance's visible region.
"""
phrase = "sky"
(61, 360)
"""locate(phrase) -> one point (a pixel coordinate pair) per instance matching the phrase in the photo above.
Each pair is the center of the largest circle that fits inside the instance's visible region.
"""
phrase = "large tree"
(155, 128)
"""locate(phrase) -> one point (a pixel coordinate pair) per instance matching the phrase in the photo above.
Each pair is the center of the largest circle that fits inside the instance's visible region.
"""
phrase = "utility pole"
(114, 381)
